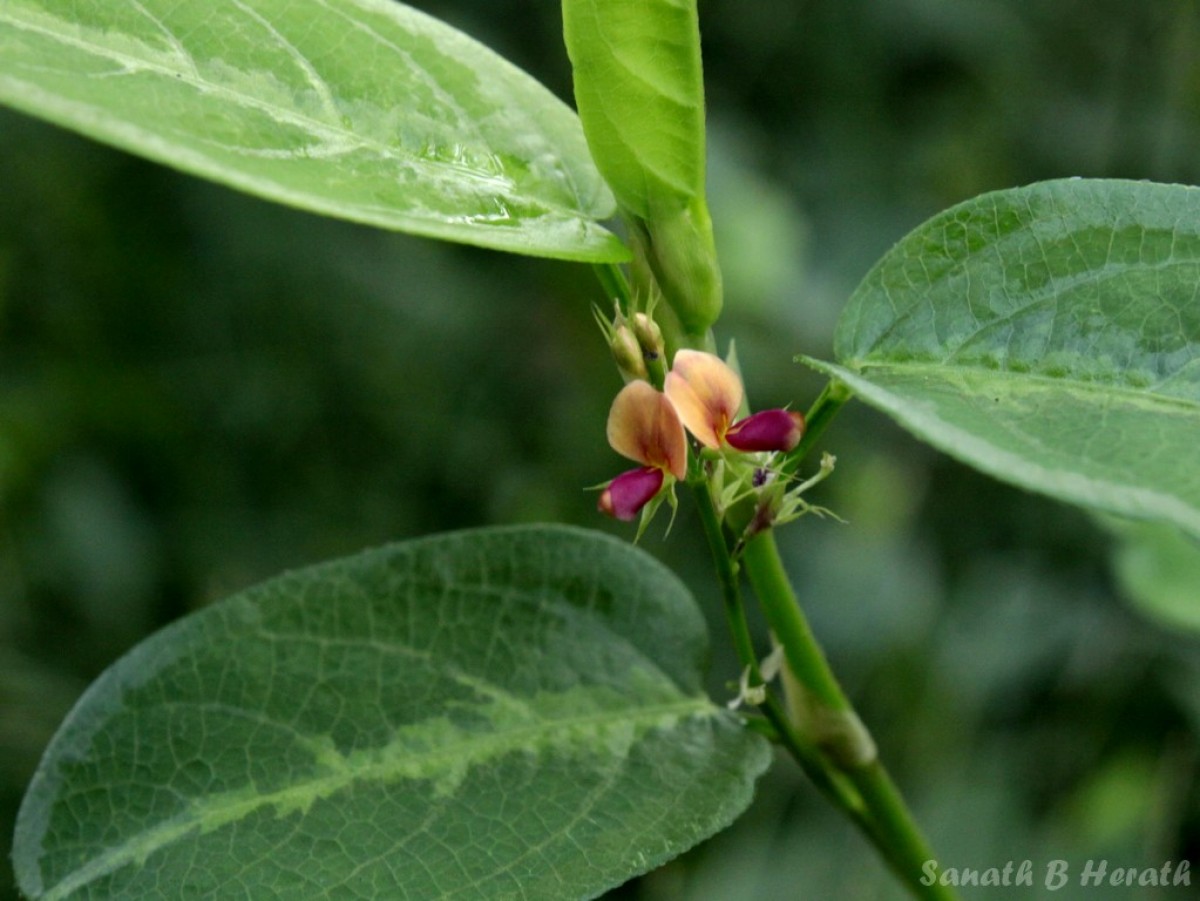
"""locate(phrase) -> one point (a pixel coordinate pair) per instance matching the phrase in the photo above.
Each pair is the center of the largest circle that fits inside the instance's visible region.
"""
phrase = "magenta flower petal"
(770, 430)
(630, 491)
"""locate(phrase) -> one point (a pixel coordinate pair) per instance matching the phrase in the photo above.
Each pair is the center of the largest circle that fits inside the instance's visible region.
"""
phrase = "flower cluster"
(702, 394)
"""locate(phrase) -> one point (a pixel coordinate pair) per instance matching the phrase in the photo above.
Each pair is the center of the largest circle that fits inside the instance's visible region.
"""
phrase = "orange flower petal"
(644, 427)
(706, 394)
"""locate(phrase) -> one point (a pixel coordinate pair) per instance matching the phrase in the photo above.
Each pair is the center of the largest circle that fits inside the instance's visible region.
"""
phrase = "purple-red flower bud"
(630, 491)
(769, 430)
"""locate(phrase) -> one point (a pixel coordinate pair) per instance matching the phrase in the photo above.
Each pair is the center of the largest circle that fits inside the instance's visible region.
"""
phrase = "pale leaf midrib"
(981, 452)
(945, 371)
(229, 807)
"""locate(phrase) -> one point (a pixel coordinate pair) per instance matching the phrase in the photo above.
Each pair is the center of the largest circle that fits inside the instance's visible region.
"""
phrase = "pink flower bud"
(630, 491)
(770, 430)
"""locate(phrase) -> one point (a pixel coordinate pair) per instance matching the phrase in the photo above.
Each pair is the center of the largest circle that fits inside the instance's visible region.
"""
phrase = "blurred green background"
(198, 390)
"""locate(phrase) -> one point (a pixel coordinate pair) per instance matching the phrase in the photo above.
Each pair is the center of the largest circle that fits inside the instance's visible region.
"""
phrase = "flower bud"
(630, 491)
(649, 335)
(627, 352)
(769, 430)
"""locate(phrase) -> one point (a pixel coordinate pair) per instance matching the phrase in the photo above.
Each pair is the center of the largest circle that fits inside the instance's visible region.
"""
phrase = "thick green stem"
(804, 655)
(821, 709)
(835, 788)
(908, 851)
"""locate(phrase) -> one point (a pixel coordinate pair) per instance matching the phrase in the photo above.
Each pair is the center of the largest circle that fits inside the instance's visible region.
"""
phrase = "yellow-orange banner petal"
(644, 427)
(706, 394)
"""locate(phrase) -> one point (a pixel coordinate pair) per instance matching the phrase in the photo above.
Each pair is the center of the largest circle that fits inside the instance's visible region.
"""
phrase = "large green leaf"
(1050, 336)
(639, 87)
(362, 109)
(512, 713)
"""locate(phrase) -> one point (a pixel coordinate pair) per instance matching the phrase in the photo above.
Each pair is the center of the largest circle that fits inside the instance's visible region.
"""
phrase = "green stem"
(837, 790)
(816, 420)
(614, 284)
(804, 655)
(739, 629)
(908, 850)
(822, 709)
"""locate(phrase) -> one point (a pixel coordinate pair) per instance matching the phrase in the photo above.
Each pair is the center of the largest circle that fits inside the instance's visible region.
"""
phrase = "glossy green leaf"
(362, 109)
(639, 88)
(1159, 569)
(512, 713)
(1050, 336)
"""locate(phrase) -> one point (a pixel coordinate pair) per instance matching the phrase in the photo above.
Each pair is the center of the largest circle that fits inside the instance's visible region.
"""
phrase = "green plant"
(1046, 335)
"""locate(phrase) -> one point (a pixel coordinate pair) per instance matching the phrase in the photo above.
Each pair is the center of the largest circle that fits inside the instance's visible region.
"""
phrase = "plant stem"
(831, 399)
(614, 284)
(907, 849)
(804, 655)
(836, 790)
(823, 709)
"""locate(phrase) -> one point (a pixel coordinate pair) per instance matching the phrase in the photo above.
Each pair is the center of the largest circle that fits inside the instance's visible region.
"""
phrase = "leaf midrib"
(220, 810)
(942, 370)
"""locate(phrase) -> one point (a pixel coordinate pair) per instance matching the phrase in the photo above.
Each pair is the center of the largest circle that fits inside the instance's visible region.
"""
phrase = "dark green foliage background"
(198, 390)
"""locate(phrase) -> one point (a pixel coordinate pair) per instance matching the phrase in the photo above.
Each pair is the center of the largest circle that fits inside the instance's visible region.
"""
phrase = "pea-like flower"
(644, 427)
(707, 395)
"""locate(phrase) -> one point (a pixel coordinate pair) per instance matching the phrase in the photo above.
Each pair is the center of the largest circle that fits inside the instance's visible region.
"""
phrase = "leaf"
(508, 713)
(1159, 569)
(639, 88)
(365, 110)
(1049, 336)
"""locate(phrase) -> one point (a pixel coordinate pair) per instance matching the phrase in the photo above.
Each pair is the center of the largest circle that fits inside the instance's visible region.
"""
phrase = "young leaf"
(362, 109)
(1050, 336)
(503, 713)
(639, 88)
